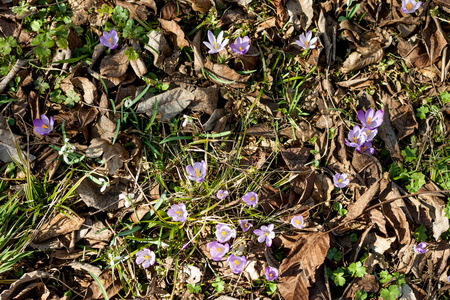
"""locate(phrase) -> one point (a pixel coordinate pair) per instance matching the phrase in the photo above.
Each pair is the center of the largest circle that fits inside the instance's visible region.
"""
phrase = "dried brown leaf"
(114, 65)
(138, 64)
(297, 270)
(113, 155)
(90, 194)
(387, 134)
(106, 278)
(225, 73)
(205, 99)
(356, 209)
(19, 285)
(59, 225)
(158, 46)
(301, 13)
(362, 57)
(175, 29)
(202, 6)
(170, 12)
(89, 89)
(170, 103)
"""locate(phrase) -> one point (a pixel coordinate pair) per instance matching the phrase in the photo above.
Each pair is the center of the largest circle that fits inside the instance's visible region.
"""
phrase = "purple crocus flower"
(215, 45)
(178, 212)
(370, 119)
(266, 233)
(370, 133)
(146, 257)
(421, 248)
(410, 6)
(241, 45)
(271, 273)
(298, 222)
(197, 171)
(218, 250)
(237, 263)
(340, 180)
(44, 125)
(110, 39)
(221, 194)
(251, 198)
(366, 148)
(245, 225)
(307, 42)
(448, 278)
(224, 232)
(356, 137)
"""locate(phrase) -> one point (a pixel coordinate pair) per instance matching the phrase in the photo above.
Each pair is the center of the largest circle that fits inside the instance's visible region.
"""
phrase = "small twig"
(19, 64)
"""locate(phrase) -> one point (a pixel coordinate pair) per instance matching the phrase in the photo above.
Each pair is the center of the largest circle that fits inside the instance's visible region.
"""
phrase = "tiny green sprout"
(218, 284)
(390, 293)
(445, 97)
(361, 295)
(356, 269)
(353, 237)
(194, 288)
(421, 234)
(385, 276)
(422, 112)
(409, 154)
(338, 276)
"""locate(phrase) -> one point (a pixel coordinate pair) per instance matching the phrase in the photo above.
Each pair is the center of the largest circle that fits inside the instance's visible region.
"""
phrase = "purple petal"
(261, 238)
(258, 231)
(308, 36)
(268, 242)
(211, 38)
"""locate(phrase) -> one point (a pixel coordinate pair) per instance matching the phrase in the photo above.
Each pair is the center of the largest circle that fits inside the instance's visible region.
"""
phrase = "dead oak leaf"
(175, 29)
(114, 65)
(59, 225)
(202, 6)
(89, 89)
(301, 13)
(363, 56)
(113, 155)
(297, 270)
(221, 73)
(170, 103)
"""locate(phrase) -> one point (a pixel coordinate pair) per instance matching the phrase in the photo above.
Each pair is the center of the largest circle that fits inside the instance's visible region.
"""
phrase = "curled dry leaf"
(113, 155)
(175, 29)
(297, 270)
(60, 224)
(202, 6)
(90, 194)
(363, 56)
(170, 11)
(89, 89)
(8, 150)
(138, 64)
(114, 65)
(301, 13)
(170, 103)
(205, 99)
(158, 46)
(221, 73)
(25, 281)
(387, 133)
(357, 208)
(111, 287)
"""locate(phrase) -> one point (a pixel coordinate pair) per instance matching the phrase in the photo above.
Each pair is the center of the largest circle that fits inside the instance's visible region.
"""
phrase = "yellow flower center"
(179, 212)
(221, 195)
(252, 198)
(146, 257)
(224, 233)
(240, 48)
(110, 40)
(306, 43)
(271, 275)
(196, 170)
(370, 119)
(409, 6)
(245, 225)
(363, 148)
(215, 44)
(368, 131)
(297, 221)
(354, 139)
(266, 234)
(44, 126)
(236, 262)
(340, 180)
(218, 249)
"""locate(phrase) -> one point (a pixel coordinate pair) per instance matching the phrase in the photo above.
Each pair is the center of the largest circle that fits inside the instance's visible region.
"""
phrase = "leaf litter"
(273, 120)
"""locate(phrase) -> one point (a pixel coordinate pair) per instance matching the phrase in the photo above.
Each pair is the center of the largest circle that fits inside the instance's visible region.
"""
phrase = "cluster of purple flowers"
(361, 137)
(215, 45)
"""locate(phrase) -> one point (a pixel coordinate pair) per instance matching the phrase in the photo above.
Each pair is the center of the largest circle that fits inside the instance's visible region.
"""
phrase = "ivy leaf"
(218, 284)
(391, 293)
(338, 277)
(385, 276)
(421, 234)
(409, 154)
(356, 269)
(422, 112)
(361, 295)
(445, 96)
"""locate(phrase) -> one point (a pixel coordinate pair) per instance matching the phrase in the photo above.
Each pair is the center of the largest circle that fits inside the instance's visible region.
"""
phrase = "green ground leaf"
(391, 293)
(409, 154)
